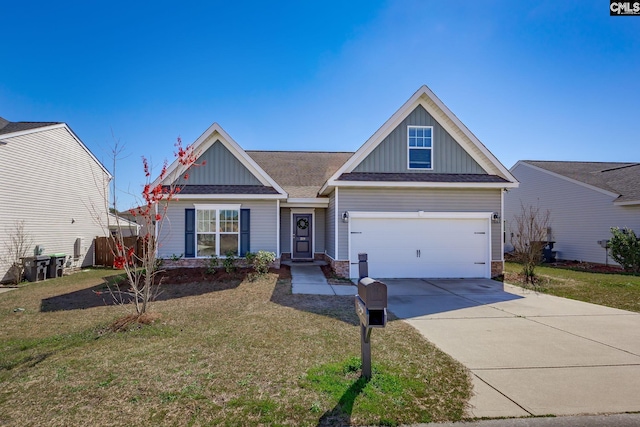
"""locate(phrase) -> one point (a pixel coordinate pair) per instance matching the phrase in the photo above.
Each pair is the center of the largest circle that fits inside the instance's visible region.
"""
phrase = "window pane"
(229, 221)
(420, 133)
(412, 142)
(419, 159)
(206, 244)
(412, 131)
(228, 242)
(427, 132)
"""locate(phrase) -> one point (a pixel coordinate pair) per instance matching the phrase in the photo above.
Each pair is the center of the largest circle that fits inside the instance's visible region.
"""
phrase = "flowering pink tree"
(141, 264)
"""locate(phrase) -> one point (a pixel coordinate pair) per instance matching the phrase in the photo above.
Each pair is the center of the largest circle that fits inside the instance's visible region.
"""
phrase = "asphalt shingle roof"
(616, 177)
(419, 177)
(300, 173)
(10, 127)
(226, 189)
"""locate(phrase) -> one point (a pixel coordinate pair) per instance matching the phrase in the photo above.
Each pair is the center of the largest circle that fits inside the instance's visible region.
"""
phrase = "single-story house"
(584, 199)
(55, 187)
(422, 197)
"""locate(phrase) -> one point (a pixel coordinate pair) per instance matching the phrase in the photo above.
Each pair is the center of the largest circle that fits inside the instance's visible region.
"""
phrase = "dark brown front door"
(302, 245)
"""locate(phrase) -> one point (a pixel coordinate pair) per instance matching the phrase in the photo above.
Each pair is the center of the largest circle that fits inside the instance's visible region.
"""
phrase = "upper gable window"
(420, 147)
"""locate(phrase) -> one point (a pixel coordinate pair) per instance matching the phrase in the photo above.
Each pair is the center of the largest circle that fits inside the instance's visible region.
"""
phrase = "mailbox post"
(371, 307)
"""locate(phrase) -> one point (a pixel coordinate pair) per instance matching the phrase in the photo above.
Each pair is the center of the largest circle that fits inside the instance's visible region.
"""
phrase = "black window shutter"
(245, 225)
(189, 233)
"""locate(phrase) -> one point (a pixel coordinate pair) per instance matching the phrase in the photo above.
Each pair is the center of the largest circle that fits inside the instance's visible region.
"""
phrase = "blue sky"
(538, 80)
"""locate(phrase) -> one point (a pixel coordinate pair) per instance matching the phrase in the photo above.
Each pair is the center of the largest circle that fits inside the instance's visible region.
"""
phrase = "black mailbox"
(371, 303)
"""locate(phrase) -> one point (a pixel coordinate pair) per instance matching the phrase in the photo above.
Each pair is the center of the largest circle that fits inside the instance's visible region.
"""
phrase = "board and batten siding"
(580, 216)
(221, 168)
(262, 235)
(55, 186)
(391, 155)
(413, 200)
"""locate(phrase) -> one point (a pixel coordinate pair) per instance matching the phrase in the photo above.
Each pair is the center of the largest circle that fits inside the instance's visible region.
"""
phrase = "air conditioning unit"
(78, 247)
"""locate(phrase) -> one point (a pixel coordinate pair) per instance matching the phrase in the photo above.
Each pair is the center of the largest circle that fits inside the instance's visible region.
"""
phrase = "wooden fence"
(105, 249)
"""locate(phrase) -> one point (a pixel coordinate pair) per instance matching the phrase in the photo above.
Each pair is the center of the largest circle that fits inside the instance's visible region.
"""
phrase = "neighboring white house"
(585, 199)
(52, 183)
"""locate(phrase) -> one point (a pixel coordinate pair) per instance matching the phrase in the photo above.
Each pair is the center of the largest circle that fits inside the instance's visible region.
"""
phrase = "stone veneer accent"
(497, 268)
(341, 268)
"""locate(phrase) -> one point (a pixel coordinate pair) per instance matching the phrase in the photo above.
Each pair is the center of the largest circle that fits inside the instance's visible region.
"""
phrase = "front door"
(302, 245)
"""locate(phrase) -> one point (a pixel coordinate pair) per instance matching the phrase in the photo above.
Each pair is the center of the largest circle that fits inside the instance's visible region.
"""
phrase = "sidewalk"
(307, 278)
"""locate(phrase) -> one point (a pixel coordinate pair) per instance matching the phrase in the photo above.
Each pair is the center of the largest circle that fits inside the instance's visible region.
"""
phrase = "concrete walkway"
(529, 353)
(308, 278)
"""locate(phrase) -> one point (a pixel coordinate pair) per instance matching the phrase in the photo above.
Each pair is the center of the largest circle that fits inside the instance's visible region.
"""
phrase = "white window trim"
(419, 148)
(217, 208)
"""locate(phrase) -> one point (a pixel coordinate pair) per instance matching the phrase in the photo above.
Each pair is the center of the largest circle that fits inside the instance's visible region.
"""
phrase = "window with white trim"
(217, 230)
(420, 147)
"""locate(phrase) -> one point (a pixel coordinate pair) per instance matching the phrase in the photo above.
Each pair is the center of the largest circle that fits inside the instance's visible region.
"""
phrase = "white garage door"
(421, 247)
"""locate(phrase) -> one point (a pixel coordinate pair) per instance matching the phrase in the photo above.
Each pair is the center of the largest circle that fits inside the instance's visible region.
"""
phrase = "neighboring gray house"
(585, 199)
(51, 182)
(422, 197)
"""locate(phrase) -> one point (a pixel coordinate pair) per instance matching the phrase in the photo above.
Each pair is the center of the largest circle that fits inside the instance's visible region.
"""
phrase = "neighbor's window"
(217, 231)
(420, 147)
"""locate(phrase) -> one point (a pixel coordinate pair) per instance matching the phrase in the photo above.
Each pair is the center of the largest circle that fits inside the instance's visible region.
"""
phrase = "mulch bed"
(587, 266)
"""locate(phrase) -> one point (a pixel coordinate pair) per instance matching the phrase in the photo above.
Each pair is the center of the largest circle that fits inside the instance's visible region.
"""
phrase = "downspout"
(278, 228)
(502, 230)
(155, 232)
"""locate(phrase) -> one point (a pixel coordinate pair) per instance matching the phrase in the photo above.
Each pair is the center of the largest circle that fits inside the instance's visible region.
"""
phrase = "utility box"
(35, 267)
(56, 265)
(371, 303)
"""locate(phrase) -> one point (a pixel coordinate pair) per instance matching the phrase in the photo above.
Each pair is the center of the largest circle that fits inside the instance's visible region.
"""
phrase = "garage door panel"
(421, 247)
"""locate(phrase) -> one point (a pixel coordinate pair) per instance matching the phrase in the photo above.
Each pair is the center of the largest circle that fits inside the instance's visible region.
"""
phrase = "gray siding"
(52, 183)
(413, 200)
(579, 216)
(221, 168)
(330, 230)
(320, 226)
(263, 234)
(391, 154)
(285, 230)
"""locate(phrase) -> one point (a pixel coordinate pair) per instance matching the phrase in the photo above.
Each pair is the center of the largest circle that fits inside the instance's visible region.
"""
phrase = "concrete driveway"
(529, 353)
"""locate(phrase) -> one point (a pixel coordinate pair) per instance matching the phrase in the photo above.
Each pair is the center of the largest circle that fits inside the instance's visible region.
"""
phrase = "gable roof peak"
(206, 140)
(425, 97)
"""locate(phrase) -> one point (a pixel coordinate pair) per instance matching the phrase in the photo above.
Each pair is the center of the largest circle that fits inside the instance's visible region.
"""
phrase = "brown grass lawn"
(226, 352)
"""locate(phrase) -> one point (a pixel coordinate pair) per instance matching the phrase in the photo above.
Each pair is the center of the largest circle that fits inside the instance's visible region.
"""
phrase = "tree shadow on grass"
(341, 413)
(337, 307)
(110, 295)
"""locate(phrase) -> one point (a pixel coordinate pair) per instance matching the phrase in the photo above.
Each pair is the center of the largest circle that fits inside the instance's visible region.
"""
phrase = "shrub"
(625, 249)
(229, 263)
(212, 264)
(261, 262)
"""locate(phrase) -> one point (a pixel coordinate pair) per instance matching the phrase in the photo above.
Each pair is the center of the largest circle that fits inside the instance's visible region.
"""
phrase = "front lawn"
(220, 353)
(612, 290)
